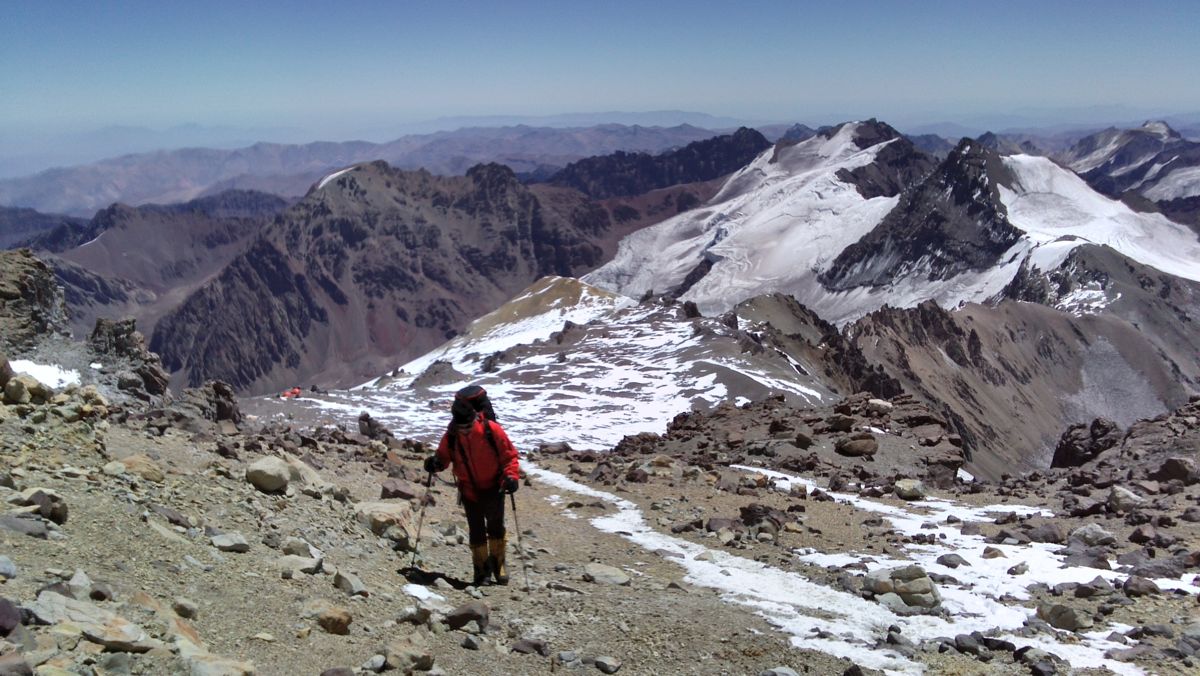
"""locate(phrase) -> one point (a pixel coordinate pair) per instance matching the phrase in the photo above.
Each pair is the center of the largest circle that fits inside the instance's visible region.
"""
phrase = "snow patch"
(48, 374)
(1180, 183)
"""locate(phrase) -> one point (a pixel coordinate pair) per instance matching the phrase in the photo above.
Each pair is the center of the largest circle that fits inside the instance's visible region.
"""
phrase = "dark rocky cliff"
(376, 267)
(623, 174)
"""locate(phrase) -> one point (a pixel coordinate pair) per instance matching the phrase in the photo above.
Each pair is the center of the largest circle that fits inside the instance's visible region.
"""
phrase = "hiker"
(485, 465)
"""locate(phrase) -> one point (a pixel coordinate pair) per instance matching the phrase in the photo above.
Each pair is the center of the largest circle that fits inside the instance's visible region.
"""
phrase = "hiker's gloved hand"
(432, 465)
(511, 485)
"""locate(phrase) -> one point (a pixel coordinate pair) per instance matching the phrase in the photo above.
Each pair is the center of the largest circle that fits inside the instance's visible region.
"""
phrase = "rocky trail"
(158, 537)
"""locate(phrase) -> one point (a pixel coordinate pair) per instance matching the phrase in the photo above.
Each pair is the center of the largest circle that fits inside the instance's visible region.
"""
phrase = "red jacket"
(479, 472)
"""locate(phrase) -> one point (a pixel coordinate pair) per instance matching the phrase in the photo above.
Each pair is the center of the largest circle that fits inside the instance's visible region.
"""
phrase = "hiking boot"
(480, 561)
(496, 549)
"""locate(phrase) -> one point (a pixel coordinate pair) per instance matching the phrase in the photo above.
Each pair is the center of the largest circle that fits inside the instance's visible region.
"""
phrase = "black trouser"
(485, 517)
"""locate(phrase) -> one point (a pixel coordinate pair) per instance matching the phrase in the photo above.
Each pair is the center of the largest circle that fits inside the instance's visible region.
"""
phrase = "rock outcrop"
(31, 302)
(625, 174)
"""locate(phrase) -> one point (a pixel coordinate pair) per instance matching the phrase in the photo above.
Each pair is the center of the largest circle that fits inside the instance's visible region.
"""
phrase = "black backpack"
(469, 402)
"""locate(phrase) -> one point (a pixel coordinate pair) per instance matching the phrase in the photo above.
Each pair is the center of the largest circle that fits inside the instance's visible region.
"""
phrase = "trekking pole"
(421, 519)
(520, 545)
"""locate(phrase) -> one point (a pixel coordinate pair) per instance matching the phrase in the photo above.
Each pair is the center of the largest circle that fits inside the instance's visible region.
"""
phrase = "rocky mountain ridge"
(374, 265)
(1153, 162)
(140, 262)
(625, 174)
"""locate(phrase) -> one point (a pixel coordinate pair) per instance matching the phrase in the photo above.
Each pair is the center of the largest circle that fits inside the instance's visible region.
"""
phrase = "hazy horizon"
(231, 73)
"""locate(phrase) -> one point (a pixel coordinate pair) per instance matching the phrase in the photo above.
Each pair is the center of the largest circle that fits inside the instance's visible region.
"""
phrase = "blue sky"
(339, 67)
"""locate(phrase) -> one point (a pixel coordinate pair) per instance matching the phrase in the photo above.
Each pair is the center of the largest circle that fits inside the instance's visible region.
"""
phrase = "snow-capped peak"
(1160, 129)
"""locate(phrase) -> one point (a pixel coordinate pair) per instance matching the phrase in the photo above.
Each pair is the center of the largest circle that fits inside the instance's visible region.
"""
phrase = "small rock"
(567, 656)
(349, 583)
(185, 608)
(142, 466)
(415, 615)
(382, 516)
(335, 620)
(397, 489)
(530, 646)
(299, 547)
(878, 407)
(375, 665)
(291, 566)
(1064, 617)
(231, 542)
(1135, 586)
(408, 654)
(607, 664)
(8, 569)
(50, 505)
(471, 642)
(1019, 569)
(952, 560)
(476, 611)
(602, 574)
(1092, 535)
(338, 671)
(80, 585)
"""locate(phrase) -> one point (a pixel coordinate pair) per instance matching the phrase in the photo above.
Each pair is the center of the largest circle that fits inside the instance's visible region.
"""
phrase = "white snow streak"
(332, 176)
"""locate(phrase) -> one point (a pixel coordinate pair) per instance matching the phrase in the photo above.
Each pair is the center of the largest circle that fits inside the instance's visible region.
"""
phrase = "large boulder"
(213, 401)
(1082, 443)
(141, 465)
(910, 489)
(97, 624)
(409, 653)
(1065, 617)
(25, 389)
(910, 585)
(1177, 469)
(381, 516)
(858, 445)
(269, 474)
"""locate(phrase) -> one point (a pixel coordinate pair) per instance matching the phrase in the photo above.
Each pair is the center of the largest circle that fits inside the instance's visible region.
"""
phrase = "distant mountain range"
(1153, 162)
(289, 170)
